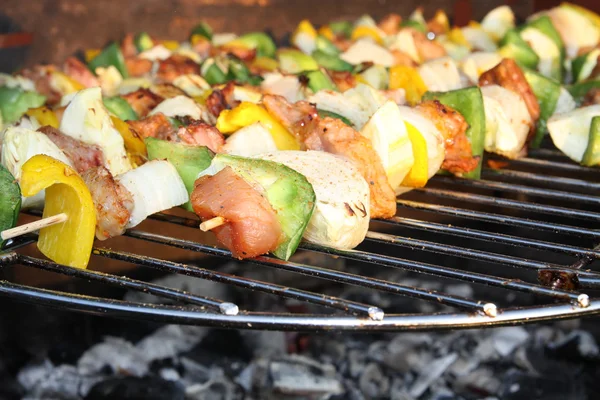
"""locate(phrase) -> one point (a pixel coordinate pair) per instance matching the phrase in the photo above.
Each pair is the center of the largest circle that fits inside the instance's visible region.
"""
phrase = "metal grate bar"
(514, 204)
(332, 275)
(520, 189)
(554, 181)
(424, 245)
(266, 287)
(581, 299)
(550, 153)
(501, 219)
(132, 284)
(552, 164)
(491, 237)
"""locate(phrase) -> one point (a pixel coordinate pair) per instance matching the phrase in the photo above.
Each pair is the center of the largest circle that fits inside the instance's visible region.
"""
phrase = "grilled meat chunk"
(84, 156)
(251, 226)
(199, 133)
(452, 126)
(157, 126)
(142, 101)
(113, 202)
(175, 66)
(390, 24)
(221, 99)
(80, 72)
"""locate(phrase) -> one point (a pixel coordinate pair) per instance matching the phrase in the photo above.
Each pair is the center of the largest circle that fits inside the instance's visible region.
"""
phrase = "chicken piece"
(333, 136)
(508, 75)
(113, 202)
(156, 126)
(199, 133)
(390, 24)
(137, 67)
(83, 156)
(175, 66)
(592, 97)
(221, 99)
(342, 43)
(128, 46)
(427, 49)
(452, 125)
(142, 101)
(40, 75)
(167, 90)
(344, 80)
(80, 72)
(401, 58)
(243, 53)
(251, 226)
(398, 96)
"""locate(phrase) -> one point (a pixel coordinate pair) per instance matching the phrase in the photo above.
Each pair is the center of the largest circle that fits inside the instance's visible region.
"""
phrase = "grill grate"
(531, 206)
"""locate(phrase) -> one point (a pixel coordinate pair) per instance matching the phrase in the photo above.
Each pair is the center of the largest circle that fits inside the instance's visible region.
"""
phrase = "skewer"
(212, 224)
(33, 226)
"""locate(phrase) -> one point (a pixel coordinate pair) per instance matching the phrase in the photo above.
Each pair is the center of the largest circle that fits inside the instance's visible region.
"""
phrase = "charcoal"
(120, 355)
(517, 385)
(506, 340)
(61, 383)
(135, 388)
(300, 376)
(218, 386)
(576, 346)
(481, 381)
(169, 341)
(373, 382)
(430, 373)
(258, 343)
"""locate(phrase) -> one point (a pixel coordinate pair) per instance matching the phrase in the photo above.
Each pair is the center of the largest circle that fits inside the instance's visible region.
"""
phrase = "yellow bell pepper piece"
(366, 31)
(64, 84)
(246, 114)
(44, 116)
(326, 31)
(134, 144)
(418, 174)
(408, 78)
(170, 44)
(442, 18)
(70, 242)
(265, 63)
(195, 39)
(456, 36)
(90, 54)
(307, 28)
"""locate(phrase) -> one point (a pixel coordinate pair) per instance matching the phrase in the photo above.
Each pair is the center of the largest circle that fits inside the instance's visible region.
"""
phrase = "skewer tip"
(490, 310)
(212, 223)
(229, 308)
(376, 313)
(583, 300)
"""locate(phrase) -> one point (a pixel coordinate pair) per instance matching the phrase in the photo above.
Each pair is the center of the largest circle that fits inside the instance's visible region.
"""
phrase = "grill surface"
(543, 206)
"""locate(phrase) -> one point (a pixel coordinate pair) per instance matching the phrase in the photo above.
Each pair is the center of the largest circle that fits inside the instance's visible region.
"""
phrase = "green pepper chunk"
(14, 102)
(212, 73)
(238, 71)
(289, 193)
(120, 108)
(325, 114)
(513, 46)
(10, 201)
(293, 61)
(318, 80)
(189, 161)
(111, 55)
(544, 25)
(143, 42)
(591, 157)
(331, 62)
(343, 28)
(586, 62)
(547, 92)
(264, 45)
(468, 102)
(579, 90)
(416, 25)
(202, 29)
(326, 46)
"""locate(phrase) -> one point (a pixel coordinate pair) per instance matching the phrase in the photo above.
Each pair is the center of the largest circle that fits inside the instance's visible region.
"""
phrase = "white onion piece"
(249, 141)
(178, 106)
(155, 186)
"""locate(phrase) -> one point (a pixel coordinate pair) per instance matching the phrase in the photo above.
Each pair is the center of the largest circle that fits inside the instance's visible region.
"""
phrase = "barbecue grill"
(549, 206)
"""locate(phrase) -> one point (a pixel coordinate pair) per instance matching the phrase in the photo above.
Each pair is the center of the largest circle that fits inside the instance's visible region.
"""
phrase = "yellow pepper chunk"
(134, 144)
(307, 28)
(441, 18)
(246, 114)
(366, 31)
(170, 44)
(70, 242)
(326, 31)
(265, 63)
(456, 36)
(44, 116)
(408, 78)
(418, 174)
(90, 54)
(196, 39)
(64, 84)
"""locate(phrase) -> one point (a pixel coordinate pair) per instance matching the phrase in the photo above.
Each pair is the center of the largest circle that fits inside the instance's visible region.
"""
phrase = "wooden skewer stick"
(212, 223)
(33, 226)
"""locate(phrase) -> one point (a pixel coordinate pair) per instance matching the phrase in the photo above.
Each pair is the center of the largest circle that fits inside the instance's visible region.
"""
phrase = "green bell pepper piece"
(416, 25)
(212, 73)
(591, 157)
(293, 61)
(10, 201)
(326, 46)
(143, 42)
(547, 92)
(175, 122)
(264, 45)
(331, 62)
(468, 102)
(202, 29)
(238, 71)
(544, 24)
(325, 114)
(579, 90)
(120, 108)
(189, 161)
(111, 55)
(513, 46)
(289, 193)
(14, 102)
(318, 80)
(343, 28)
(584, 61)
